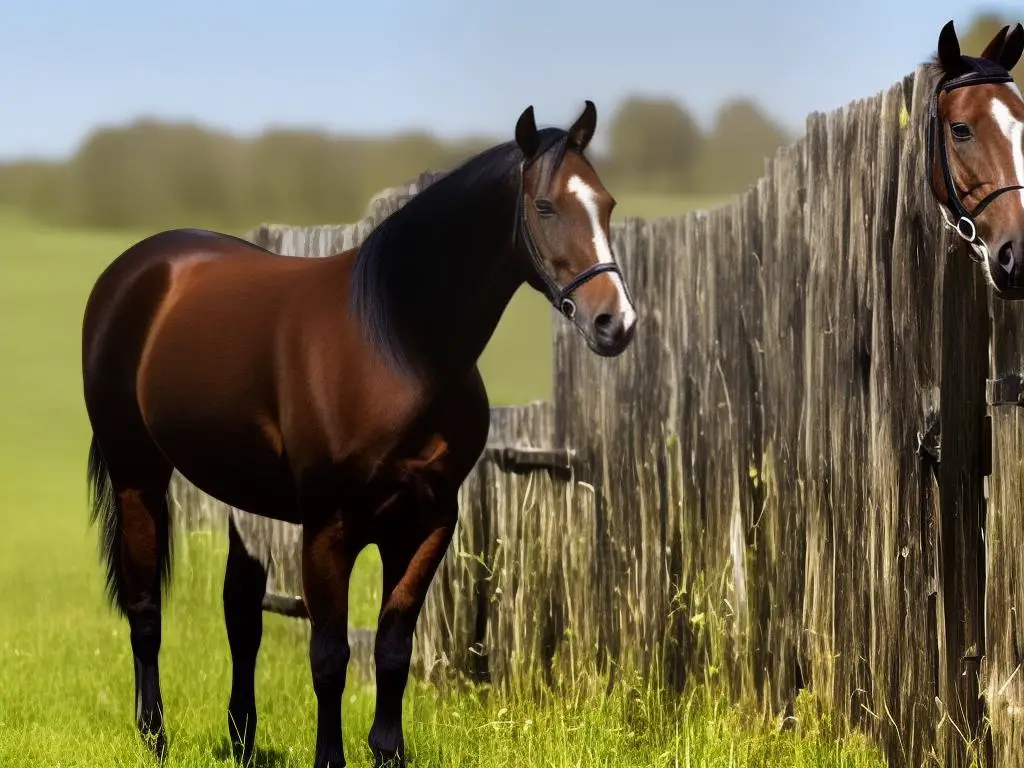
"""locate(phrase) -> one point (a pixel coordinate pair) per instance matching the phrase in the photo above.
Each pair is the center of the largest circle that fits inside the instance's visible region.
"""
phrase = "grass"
(65, 660)
(657, 206)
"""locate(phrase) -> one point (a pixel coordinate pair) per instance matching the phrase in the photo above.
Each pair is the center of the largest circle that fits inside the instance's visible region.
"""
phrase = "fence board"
(1004, 654)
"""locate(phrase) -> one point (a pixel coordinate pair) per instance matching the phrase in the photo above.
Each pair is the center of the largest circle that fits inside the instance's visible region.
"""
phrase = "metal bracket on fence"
(929, 442)
(559, 461)
(1006, 390)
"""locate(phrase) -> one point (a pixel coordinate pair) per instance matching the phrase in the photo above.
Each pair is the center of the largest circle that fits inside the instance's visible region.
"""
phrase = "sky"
(452, 67)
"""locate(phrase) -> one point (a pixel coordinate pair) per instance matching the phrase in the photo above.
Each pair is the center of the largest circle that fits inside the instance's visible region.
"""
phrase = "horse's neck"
(447, 282)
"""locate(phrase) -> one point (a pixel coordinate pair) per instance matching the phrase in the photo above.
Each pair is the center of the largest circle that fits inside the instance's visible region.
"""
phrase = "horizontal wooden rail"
(521, 460)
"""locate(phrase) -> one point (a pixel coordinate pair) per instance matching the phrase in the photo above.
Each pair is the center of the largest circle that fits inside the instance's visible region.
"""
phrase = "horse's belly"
(203, 389)
(234, 464)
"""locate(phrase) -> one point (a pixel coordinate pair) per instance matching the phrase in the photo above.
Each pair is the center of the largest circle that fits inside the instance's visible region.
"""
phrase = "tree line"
(153, 174)
(157, 174)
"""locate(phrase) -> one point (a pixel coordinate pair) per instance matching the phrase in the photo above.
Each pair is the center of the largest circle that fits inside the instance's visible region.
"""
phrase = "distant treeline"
(154, 174)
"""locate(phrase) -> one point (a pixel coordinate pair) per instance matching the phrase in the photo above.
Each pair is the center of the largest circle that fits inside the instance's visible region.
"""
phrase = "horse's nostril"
(1006, 257)
(603, 322)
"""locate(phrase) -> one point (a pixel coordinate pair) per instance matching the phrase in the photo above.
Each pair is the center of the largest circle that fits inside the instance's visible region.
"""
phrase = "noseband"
(981, 71)
(560, 297)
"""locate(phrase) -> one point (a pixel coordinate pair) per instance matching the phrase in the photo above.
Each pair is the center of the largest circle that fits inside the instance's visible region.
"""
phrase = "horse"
(975, 152)
(341, 394)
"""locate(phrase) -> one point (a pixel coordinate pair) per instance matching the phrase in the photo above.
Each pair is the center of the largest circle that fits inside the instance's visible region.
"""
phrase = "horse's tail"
(106, 509)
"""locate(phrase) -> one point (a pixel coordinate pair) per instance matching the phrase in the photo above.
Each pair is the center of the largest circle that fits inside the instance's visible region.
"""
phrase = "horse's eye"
(961, 131)
(544, 207)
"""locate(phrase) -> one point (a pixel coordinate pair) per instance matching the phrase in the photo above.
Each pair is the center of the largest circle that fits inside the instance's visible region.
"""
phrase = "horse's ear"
(949, 51)
(582, 130)
(995, 46)
(1012, 48)
(526, 133)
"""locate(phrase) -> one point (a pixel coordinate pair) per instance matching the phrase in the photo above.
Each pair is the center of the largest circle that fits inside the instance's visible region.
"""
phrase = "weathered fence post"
(1004, 534)
(962, 406)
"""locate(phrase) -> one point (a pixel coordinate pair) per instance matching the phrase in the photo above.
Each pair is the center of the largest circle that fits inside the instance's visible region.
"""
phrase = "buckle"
(961, 231)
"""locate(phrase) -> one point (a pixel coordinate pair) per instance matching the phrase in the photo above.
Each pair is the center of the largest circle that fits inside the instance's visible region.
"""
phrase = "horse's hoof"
(243, 740)
(329, 758)
(388, 760)
(157, 743)
(242, 752)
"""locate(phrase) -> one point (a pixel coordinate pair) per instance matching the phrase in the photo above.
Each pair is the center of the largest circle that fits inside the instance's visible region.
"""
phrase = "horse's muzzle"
(611, 332)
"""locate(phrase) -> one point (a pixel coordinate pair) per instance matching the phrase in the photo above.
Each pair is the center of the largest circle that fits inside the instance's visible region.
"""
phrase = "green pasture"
(65, 661)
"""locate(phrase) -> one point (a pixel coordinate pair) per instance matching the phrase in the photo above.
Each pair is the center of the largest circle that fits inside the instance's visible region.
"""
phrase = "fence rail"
(786, 472)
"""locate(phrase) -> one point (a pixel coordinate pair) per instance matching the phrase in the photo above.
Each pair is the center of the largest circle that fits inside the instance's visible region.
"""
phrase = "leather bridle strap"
(559, 296)
(983, 71)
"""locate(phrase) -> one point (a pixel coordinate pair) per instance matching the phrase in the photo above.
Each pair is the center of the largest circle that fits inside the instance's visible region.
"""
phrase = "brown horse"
(341, 394)
(976, 152)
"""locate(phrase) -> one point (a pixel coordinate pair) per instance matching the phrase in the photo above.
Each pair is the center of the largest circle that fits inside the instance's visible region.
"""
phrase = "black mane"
(468, 212)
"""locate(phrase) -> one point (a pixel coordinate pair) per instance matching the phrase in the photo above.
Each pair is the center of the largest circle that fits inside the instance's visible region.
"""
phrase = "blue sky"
(455, 67)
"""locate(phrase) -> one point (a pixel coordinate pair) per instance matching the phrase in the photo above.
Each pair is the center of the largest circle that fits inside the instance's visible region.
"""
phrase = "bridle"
(980, 71)
(559, 296)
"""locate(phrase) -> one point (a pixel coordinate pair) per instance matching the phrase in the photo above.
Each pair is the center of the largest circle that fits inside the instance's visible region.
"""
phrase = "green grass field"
(65, 662)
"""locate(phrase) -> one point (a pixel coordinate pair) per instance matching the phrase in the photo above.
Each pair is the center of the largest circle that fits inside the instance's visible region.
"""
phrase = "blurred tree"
(654, 144)
(735, 152)
(33, 185)
(303, 177)
(114, 180)
(981, 31)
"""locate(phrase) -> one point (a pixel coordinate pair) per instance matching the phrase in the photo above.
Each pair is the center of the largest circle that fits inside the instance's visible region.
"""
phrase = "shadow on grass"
(261, 758)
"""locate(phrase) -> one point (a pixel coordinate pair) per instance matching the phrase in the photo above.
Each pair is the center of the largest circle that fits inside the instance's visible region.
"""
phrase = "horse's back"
(139, 276)
(128, 295)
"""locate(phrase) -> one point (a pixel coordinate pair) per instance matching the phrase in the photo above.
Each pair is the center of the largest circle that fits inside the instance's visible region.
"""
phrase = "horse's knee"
(392, 652)
(144, 629)
(328, 659)
(245, 584)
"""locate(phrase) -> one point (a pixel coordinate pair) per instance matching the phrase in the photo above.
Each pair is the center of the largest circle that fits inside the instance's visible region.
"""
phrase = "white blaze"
(588, 199)
(1013, 130)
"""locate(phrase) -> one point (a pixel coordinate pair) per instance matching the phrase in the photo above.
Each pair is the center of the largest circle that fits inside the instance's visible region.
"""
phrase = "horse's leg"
(328, 555)
(409, 562)
(130, 483)
(245, 582)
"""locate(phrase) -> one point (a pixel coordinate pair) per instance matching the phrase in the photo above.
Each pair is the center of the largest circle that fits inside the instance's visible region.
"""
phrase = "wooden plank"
(784, 258)
(903, 450)
(962, 493)
(519, 460)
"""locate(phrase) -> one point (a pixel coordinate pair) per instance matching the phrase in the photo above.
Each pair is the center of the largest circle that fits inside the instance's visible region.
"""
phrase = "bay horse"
(341, 394)
(975, 152)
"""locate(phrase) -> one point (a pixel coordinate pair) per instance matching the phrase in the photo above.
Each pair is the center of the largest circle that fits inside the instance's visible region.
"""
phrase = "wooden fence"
(793, 473)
